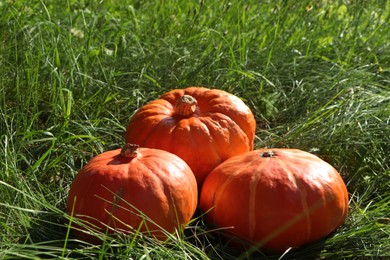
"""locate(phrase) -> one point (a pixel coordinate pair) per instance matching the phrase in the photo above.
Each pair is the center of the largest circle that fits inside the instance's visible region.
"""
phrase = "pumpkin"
(202, 126)
(275, 198)
(133, 188)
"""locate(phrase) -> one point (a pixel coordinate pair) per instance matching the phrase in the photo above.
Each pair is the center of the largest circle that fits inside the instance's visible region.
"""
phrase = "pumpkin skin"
(156, 182)
(202, 126)
(275, 198)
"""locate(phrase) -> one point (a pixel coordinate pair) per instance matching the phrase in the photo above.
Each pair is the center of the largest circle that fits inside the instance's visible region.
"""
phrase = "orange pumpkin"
(275, 198)
(202, 126)
(114, 188)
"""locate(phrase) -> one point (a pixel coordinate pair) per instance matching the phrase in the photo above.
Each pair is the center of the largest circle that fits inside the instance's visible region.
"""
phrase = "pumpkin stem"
(185, 105)
(267, 154)
(130, 150)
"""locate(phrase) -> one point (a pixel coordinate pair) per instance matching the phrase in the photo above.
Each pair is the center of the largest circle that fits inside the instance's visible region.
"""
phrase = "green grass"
(315, 73)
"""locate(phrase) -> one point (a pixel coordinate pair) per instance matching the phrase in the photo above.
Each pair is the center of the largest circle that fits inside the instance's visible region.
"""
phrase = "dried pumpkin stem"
(185, 105)
(267, 154)
(129, 150)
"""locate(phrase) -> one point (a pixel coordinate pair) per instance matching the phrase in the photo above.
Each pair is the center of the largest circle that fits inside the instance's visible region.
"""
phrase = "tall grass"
(315, 73)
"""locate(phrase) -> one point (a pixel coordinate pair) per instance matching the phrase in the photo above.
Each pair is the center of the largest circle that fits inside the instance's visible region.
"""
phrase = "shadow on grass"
(219, 248)
(47, 238)
(217, 245)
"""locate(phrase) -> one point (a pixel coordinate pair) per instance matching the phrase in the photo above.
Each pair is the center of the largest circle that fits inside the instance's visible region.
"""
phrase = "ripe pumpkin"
(113, 188)
(275, 198)
(202, 126)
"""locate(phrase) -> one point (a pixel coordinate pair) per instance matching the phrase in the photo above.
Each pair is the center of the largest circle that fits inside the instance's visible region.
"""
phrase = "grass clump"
(316, 75)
